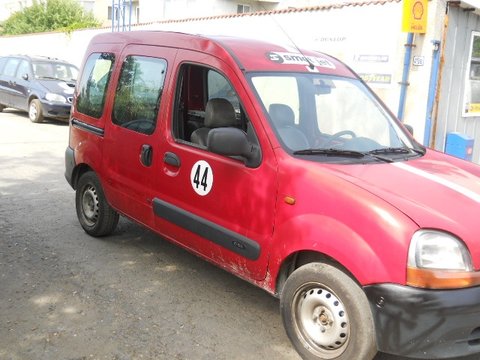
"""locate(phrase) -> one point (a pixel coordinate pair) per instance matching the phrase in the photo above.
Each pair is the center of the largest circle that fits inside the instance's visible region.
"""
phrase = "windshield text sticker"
(298, 59)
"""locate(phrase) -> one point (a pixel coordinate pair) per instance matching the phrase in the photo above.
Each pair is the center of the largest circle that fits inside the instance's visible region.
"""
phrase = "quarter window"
(138, 94)
(92, 88)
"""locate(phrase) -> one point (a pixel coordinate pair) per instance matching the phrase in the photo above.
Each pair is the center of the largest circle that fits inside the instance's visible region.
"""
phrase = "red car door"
(132, 144)
(214, 204)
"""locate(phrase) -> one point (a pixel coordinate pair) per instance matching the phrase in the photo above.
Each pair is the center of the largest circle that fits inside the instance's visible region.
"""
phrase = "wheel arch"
(78, 171)
(303, 257)
(32, 97)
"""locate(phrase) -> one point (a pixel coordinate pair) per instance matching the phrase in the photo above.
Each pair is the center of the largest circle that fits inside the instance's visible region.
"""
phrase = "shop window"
(472, 81)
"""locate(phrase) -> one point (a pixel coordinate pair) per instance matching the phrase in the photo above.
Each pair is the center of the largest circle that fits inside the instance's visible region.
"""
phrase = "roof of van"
(248, 54)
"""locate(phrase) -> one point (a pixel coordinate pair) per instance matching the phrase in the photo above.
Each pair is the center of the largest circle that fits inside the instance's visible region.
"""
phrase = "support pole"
(406, 71)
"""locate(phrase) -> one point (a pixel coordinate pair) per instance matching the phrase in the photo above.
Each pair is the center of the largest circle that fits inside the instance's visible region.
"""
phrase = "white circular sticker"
(201, 177)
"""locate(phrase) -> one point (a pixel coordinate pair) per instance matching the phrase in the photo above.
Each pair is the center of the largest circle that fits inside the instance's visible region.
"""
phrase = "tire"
(35, 111)
(327, 315)
(93, 211)
(2, 107)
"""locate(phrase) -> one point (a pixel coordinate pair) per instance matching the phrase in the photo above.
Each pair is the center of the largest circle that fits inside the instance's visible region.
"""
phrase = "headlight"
(431, 249)
(55, 98)
(439, 260)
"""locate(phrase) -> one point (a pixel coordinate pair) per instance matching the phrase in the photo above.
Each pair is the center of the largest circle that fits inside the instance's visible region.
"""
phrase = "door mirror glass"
(25, 76)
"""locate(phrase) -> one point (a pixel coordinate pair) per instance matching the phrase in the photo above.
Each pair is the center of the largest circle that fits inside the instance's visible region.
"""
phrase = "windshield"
(320, 112)
(54, 71)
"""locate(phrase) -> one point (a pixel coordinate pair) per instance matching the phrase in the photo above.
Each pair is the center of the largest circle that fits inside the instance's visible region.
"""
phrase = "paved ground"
(65, 295)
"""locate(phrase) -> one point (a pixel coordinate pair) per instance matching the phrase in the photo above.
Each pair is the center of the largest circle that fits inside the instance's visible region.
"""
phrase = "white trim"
(439, 180)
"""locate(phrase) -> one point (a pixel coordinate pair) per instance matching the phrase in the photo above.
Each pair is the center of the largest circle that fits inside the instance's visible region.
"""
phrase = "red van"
(281, 166)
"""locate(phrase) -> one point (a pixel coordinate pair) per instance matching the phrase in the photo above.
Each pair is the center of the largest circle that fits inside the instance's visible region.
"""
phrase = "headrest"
(219, 113)
(282, 115)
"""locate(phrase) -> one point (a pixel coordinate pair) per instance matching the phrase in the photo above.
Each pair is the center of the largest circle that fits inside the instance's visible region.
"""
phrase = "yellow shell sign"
(415, 16)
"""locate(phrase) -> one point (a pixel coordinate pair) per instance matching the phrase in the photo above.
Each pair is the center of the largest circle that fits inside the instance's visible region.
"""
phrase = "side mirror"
(25, 76)
(409, 128)
(230, 141)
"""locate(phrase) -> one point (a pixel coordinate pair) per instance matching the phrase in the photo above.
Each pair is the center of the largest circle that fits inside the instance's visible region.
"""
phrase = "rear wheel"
(2, 107)
(93, 211)
(35, 111)
(327, 315)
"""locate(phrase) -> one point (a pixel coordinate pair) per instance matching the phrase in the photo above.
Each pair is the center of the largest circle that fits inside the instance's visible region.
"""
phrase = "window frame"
(469, 108)
(249, 130)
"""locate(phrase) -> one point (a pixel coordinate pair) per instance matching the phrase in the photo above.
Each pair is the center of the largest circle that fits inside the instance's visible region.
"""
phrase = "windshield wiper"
(340, 152)
(391, 150)
(332, 152)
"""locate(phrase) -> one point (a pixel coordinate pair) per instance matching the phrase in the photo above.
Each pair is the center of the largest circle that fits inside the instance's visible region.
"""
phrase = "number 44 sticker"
(201, 177)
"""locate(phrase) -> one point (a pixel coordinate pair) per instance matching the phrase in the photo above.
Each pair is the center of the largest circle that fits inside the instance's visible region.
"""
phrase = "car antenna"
(310, 64)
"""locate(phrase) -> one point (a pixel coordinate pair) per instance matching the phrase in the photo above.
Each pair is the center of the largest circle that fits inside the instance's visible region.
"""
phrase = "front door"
(132, 144)
(215, 204)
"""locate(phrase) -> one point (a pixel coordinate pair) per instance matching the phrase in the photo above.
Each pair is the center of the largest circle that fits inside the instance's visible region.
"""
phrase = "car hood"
(58, 86)
(435, 191)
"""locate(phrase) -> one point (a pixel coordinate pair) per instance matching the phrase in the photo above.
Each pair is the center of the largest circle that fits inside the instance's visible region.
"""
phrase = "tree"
(48, 15)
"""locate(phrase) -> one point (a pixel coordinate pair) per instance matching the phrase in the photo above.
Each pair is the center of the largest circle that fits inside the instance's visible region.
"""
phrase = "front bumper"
(425, 324)
(56, 110)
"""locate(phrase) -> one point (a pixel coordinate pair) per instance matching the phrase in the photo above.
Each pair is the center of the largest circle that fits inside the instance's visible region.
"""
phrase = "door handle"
(146, 155)
(171, 159)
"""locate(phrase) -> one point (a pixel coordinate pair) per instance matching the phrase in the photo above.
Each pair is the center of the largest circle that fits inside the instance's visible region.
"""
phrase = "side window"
(23, 69)
(138, 94)
(92, 87)
(11, 67)
(219, 87)
(196, 87)
(2, 64)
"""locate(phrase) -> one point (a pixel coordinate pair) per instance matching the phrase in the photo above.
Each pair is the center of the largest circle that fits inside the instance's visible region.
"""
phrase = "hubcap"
(322, 321)
(90, 205)
(33, 111)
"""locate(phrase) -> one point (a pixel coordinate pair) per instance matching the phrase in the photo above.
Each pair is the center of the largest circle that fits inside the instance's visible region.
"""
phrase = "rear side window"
(138, 94)
(92, 88)
(11, 67)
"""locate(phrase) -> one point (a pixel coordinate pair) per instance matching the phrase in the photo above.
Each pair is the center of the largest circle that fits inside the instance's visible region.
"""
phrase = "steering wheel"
(338, 135)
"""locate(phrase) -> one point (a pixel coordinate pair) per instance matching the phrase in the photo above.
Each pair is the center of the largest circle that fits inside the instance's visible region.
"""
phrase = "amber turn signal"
(441, 279)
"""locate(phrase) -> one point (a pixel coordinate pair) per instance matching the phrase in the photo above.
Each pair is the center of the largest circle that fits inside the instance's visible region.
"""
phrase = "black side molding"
(219, 235)
(87, 127)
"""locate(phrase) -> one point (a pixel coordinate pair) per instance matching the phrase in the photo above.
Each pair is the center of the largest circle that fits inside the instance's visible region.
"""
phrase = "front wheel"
(327, 315)
(35, 111)
(93, 211)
